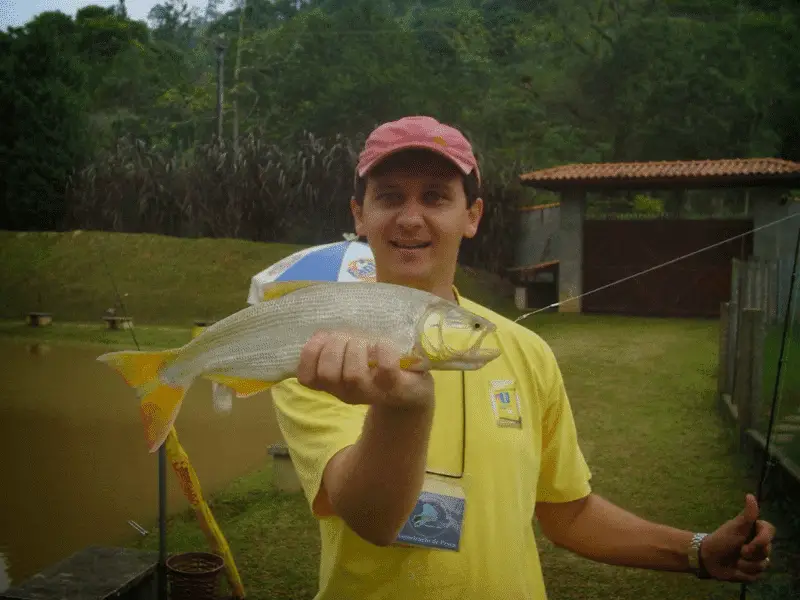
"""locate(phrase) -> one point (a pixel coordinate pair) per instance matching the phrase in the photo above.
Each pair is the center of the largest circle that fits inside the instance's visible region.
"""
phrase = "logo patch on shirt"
(505, 402)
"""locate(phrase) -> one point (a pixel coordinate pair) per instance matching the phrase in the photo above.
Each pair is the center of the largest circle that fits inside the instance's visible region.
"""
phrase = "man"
(426, 485)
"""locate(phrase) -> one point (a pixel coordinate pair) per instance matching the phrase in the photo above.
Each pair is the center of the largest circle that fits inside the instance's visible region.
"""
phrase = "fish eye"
(476, 325)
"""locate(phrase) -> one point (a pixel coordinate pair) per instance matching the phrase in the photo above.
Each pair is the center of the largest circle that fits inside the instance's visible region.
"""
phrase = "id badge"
(505, 403)
(437, 518)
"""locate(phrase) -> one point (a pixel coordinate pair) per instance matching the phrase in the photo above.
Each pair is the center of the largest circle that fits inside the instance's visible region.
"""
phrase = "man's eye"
(434, 197)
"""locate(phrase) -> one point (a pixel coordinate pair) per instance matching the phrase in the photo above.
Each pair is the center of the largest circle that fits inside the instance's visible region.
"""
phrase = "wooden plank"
(722, 366)
(743, 383)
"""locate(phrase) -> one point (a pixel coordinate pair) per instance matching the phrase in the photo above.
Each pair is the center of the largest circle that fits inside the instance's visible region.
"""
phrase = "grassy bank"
(162, 280)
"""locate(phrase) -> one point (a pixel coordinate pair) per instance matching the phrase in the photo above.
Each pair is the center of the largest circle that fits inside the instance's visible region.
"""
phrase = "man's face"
(414, 216)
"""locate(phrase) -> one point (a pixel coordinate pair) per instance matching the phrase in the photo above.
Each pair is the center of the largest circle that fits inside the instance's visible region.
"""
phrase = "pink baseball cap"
(417, 132)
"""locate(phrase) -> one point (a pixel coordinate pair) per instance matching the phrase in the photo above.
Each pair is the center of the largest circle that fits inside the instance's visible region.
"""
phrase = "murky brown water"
(74, 467)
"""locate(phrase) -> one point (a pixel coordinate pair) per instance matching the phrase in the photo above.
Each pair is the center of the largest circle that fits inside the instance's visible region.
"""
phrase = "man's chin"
(411, 277)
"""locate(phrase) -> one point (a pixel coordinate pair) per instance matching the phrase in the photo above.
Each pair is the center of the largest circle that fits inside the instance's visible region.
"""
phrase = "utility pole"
(220, 47)
(237, 68)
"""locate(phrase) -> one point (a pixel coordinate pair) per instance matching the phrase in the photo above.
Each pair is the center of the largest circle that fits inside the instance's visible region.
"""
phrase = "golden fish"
(259, 346)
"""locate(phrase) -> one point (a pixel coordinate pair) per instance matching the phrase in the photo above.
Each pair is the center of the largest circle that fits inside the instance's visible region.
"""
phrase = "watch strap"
(695, 560)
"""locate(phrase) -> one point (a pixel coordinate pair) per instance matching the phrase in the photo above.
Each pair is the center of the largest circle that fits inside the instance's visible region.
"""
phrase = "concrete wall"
(570, 250)
(539, 233)
(777, 241)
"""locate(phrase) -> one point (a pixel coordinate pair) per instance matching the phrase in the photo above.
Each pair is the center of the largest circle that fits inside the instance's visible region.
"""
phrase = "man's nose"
(410, 212)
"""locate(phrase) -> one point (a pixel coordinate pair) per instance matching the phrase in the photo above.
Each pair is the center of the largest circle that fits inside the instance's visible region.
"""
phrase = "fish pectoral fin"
(276, 289)
(242, 387)
(406, 362)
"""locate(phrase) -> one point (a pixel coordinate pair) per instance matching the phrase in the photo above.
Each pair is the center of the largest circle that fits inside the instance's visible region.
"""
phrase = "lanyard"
(463, 433)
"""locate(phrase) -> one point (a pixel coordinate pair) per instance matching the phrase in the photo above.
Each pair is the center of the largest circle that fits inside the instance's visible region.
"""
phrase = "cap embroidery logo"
(439, 140)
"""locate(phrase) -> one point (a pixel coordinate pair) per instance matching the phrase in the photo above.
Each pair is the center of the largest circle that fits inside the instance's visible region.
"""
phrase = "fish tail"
(159, 408)
(138, 368)
(159, 403)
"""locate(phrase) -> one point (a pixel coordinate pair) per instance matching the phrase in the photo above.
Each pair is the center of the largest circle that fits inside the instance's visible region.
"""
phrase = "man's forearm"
(374, 484)
(606, 533)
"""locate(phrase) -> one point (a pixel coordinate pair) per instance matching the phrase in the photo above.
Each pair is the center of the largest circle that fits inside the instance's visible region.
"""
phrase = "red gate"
(691, 287)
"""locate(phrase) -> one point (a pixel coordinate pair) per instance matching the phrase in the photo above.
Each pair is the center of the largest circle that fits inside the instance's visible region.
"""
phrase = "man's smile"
(410, 245)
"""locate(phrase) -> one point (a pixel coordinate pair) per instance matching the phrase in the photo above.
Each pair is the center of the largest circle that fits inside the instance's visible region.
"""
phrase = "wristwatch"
(695, 561)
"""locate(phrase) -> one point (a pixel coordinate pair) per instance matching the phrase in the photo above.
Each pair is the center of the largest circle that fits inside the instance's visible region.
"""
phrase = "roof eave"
(777, 180)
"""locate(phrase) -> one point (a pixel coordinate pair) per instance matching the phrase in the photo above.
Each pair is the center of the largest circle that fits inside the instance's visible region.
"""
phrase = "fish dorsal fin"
(276, 289)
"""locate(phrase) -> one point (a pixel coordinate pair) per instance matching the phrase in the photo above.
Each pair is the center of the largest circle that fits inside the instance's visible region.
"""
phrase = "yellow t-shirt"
(509, 465)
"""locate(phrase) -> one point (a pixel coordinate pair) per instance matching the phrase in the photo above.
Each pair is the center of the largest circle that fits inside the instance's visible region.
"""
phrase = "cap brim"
(432, 146)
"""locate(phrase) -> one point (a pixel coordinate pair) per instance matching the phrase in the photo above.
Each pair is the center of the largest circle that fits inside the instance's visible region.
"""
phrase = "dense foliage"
(111, 123)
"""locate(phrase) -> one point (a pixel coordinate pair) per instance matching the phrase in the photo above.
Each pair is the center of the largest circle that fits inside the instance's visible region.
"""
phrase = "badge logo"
(435, 522)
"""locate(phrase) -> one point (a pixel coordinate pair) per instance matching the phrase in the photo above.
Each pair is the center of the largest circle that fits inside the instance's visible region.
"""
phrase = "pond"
(74, 467)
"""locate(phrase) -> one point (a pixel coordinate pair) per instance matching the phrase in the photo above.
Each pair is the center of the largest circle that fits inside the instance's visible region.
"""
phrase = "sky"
(16, 13)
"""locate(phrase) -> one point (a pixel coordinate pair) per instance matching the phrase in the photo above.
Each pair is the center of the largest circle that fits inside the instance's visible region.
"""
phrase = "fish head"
(450, 337)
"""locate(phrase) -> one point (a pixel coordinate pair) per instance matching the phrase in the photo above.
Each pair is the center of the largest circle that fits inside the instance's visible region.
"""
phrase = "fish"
(259, 346)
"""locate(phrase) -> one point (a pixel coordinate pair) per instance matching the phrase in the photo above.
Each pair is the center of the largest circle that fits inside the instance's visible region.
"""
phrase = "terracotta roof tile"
(737, 170)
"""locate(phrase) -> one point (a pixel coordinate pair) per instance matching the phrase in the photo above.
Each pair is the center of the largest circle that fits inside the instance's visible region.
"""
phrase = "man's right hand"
(373, 485)
(338, 364)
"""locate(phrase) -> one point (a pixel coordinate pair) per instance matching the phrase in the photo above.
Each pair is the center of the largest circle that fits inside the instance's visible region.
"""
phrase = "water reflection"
(5, 581)
(75, 468)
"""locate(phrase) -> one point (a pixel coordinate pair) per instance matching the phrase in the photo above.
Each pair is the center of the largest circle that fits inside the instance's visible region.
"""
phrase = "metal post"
(162, 522)
(220, 85)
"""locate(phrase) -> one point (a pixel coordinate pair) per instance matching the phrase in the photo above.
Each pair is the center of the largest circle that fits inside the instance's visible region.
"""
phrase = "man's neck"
(443, 290)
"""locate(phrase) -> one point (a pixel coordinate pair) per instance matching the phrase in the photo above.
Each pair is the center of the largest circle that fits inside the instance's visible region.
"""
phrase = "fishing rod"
(162, 469)
(787, 323)
(658, 266)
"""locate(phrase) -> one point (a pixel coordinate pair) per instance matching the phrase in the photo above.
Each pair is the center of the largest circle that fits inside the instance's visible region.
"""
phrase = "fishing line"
(783, 355)
(659, 266)
(162, 466)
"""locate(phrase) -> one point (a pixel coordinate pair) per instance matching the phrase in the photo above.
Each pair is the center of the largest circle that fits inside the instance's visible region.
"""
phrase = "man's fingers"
(355, 369)
(752, 567)
(386, 369)
(309, 359)
(761, 546)
(744, 577)
(329, 367)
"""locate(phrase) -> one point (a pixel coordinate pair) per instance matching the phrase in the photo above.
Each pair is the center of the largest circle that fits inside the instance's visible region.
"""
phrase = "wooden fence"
(744, 322)
(754, 286)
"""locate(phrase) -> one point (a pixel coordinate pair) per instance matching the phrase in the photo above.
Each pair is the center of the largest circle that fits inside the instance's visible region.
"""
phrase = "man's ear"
(474, 214)
(357, 210)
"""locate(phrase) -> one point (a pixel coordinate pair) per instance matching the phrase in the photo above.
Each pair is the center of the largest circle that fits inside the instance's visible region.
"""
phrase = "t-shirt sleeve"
(564, 474)
(315, 426)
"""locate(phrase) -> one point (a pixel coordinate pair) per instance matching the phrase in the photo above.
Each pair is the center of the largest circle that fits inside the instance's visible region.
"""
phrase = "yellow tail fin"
(160, 403)
(137, 368)
(159, 409)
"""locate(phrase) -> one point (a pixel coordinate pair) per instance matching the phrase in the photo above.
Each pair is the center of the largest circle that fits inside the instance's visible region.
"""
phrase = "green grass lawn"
(642, 391)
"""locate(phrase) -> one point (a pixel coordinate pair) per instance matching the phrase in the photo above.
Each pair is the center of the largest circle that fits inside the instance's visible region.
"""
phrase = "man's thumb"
(748, 516)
